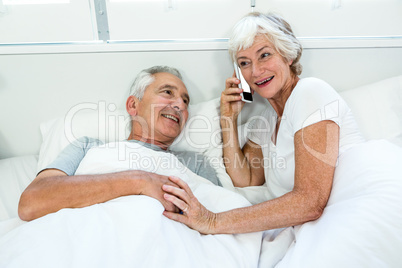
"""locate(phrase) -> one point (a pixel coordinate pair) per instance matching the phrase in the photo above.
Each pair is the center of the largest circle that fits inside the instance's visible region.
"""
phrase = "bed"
(106, 235)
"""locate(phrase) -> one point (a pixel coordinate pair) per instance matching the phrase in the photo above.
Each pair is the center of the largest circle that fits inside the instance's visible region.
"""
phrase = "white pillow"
(85, 119)
(377, 108)
(201, 133)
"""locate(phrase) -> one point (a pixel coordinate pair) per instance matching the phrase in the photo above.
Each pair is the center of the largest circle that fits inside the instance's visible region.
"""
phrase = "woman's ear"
(131, 105)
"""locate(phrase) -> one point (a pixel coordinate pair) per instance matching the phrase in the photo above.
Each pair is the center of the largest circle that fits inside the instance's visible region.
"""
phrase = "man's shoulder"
(86, 142)
(192, 160)
(188, 154)
(199, 164)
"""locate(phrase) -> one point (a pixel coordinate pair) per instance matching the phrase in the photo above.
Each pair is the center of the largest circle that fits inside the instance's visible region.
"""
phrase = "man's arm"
(53, 190)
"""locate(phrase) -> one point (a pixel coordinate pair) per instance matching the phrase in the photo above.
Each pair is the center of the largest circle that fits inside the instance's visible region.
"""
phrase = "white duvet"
(361, 225)
(130, 231)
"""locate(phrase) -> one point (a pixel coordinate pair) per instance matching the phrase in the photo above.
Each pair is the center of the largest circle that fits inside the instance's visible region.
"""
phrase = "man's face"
(162, 112)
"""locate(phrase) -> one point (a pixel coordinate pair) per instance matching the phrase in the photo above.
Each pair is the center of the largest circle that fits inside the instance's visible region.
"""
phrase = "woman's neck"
(278, 102)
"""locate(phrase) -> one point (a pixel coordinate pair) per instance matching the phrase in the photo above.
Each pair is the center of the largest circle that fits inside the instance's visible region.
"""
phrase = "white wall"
(35, 88)
(339, 17)
(41, 82)
(64, 22)
(38, 87)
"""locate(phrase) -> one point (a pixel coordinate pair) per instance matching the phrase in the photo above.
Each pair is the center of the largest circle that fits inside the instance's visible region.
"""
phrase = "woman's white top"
(311, 101)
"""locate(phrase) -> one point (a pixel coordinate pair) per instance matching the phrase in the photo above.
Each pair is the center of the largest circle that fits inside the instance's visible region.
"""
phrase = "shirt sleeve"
(200, 165)
(261, 127)
(71, 156)
(312, 101)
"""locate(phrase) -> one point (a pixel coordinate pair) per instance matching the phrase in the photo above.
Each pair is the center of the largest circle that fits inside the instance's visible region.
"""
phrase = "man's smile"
(172, 117)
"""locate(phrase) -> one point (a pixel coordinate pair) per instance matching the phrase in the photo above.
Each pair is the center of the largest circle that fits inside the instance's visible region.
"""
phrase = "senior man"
(157, 104)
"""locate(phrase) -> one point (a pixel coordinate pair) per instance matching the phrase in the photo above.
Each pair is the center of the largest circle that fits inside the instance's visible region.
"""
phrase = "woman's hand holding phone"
(231, 103)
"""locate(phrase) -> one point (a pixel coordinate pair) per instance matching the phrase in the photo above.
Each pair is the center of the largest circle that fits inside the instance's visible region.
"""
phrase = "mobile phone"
(246, 95)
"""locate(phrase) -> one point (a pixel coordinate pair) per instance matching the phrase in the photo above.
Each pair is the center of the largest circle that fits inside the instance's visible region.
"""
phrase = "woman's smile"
(264, 82)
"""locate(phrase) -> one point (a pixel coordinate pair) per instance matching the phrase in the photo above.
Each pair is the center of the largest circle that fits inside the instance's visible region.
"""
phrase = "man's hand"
(153, 188)
(53, 190)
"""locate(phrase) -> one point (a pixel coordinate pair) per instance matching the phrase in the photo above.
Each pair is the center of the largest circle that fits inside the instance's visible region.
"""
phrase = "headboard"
(39, 85)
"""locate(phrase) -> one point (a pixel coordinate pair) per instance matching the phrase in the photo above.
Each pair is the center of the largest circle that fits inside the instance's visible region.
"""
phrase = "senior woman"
(305, 126)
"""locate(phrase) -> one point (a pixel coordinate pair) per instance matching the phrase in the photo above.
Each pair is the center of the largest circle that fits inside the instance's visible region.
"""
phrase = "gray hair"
(276, 29)
(146, 77)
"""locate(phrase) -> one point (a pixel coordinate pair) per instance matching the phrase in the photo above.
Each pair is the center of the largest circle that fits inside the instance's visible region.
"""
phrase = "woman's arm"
(244, 166)
(53, 190)
(316, 152)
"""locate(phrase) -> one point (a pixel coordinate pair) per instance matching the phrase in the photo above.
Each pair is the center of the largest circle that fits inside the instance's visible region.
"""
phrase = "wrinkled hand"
(193, 213)
(231, 103)
(153, 188)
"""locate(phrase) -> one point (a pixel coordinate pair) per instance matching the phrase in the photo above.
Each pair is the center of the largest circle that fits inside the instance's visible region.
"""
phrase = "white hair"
(146, 77)
(272, 26)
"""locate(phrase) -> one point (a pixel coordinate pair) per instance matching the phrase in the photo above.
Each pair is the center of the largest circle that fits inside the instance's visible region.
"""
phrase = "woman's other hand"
(193, 213)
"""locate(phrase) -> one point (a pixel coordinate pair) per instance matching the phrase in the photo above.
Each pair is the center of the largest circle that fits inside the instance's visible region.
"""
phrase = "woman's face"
(265, 70)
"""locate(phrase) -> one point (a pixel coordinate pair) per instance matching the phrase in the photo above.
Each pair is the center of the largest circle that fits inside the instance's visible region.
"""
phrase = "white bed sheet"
(129, 230)
(361, 225)
(358, 228)
(15, 175)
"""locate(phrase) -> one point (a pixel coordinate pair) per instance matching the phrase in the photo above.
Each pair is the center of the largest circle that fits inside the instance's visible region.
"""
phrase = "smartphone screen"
(246, 95)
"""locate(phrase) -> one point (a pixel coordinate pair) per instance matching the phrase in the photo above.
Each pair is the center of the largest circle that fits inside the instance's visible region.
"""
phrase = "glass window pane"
(33, 2)
(39, 21)
(338, 17)
(173, 19)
